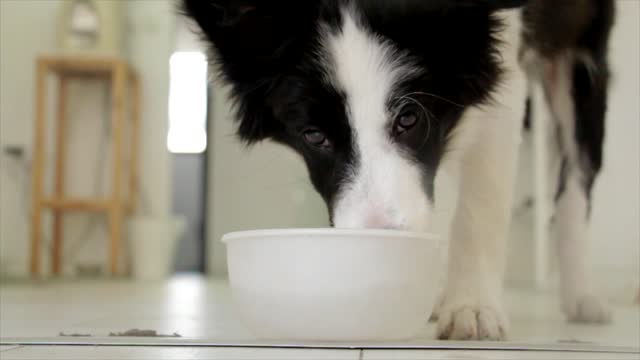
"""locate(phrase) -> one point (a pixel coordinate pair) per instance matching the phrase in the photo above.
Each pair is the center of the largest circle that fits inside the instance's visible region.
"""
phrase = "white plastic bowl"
(333, 284)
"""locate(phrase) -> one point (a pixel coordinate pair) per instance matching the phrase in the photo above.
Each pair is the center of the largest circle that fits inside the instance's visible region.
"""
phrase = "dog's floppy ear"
(490, 4)
(503, 4)
(402, 8)
(250, 32)
(252, 43)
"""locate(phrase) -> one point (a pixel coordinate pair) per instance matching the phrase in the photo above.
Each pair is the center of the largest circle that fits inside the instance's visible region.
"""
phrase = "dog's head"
(368, 92)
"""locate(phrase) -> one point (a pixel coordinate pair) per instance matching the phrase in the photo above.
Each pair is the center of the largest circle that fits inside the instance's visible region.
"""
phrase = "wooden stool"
(119, 74)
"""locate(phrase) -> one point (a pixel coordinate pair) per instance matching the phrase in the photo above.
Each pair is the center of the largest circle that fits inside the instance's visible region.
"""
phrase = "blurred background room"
(192, 174)
(184, 180)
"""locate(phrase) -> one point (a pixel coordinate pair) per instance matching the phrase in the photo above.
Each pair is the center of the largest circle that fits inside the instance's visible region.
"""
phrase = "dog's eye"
(316, 138)
(405, 122)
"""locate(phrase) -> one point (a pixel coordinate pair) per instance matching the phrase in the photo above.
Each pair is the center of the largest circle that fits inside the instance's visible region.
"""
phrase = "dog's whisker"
(434, 96)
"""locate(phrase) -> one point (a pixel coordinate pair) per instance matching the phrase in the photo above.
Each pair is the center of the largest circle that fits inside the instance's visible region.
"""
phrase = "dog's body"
(377, 96)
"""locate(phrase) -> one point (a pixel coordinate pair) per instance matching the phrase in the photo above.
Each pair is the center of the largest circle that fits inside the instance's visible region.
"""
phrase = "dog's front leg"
(488, 137)
(472, 306)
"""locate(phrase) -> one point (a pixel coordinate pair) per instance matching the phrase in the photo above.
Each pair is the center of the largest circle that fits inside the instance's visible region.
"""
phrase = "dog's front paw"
(472, 322)
(587, 309)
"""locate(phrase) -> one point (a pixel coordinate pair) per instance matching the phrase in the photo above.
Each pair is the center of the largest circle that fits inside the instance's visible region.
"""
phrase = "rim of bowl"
(365, 233)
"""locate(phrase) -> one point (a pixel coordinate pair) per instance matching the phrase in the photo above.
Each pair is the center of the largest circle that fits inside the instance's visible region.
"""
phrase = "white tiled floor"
(162, 353)
(171, 353)
(200, 310)
(490, 355)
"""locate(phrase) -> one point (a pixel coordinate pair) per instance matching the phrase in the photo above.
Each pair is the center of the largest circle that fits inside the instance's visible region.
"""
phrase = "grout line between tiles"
(439, 345)
(10, 348)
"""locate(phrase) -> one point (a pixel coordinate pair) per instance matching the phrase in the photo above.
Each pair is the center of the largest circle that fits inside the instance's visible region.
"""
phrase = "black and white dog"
(378, 95)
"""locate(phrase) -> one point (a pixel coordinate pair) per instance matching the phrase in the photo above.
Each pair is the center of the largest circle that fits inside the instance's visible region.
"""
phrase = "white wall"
(21, 40)
(27, 29)
(615, 227)
(151, 41)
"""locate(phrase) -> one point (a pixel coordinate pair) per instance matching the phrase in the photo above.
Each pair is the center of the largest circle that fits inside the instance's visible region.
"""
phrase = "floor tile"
(490, 355)
(173, 353)
(536, 317)
(191, 307)
(200, 308)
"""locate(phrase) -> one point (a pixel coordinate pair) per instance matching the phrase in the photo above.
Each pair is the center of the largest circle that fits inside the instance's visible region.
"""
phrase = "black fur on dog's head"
(366, 91)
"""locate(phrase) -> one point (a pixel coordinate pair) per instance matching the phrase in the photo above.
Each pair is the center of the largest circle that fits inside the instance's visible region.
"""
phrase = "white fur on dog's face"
(385, 188)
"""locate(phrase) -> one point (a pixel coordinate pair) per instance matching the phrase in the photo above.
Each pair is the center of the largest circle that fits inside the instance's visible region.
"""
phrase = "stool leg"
(135, 135)
(38, 165)
(115, 211)
(59, 175)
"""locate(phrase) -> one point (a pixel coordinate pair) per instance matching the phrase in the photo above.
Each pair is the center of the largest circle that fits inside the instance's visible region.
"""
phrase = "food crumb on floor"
(73, 335)
(573, 341)
(142, 333)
